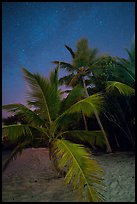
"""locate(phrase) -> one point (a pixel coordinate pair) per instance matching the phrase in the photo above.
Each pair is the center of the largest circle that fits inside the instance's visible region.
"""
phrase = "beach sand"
(32, 178)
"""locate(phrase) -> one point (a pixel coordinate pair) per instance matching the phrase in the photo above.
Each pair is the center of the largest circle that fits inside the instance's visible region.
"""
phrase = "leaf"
(120, 87)
(74, 95)
(71, 51)
(28, 114)
(66, 79)
(65, 65)
(43, 95)
(92, 137)
(13, 132)
(17, 150)
(88, 105)
(82, 171)
(74, 79)
(54, 78)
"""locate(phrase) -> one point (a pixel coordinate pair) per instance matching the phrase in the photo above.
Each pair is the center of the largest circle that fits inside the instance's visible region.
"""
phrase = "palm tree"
(126, 67)
(125, 85)
(82, 171)
(83, 61)
(107, 78)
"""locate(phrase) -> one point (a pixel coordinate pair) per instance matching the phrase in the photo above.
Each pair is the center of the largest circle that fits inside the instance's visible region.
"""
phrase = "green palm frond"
(92, 137)
(17, 150)
(131, 55)
(54, 77)
(65, 65)
(120, 87)
(127, 66)
(84, 56)
(31, 117)
(76, 94)
(82, 171)
(71, 51)
(66, 79)
(88, 105)
(92, 55)
(74, 79)
(13, 132)
(43, 95)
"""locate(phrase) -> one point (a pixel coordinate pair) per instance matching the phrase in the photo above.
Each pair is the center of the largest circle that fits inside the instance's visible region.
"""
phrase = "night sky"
(34, 34)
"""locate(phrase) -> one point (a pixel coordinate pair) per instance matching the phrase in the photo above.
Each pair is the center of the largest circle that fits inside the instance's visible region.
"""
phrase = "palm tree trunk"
(86, 128)
(108, 147)
(117, 142)
(108, 150)
(85, 122)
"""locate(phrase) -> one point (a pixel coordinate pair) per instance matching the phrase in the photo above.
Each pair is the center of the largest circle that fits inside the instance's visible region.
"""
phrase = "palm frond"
(66, 79)
(71, 51)
(88, 105)
(74, 95)
(127, 66)
(92, 54)
(13, 132)
(92, 137)
(17, 150)
(54, 77)
(64, 65)
(74, 79)
(120, 87)
(82, 171)
(131, 54)
(41, 94)
(31, 117)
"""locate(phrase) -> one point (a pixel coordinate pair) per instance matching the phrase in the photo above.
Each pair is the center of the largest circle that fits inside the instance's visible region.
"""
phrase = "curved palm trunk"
(85, 122)
(108, 149)
(86, 128)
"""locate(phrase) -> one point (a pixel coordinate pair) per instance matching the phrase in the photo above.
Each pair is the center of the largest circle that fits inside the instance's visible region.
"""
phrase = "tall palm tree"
(82, 171)
(83, 61)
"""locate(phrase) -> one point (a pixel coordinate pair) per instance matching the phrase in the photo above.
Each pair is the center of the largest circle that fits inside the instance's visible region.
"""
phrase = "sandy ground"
(32, 178)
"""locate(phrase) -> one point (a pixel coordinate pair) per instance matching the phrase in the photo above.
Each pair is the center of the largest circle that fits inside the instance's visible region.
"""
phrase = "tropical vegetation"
(82, 171)
(100, 92)
(84, 60)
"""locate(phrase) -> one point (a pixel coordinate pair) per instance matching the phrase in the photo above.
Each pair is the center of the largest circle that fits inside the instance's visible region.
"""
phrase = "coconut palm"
(124, 84)
(106, 79)
(83, 61)
(82, 171)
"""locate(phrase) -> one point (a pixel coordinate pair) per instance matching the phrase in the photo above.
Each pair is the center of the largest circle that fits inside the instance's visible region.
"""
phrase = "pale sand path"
(32, 178)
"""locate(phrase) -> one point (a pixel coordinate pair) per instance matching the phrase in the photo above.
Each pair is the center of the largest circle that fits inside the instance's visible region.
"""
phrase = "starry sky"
(34, 35)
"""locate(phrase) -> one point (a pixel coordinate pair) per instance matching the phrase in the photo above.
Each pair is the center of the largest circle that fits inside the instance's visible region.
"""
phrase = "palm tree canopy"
(83, 59)
(46, 123)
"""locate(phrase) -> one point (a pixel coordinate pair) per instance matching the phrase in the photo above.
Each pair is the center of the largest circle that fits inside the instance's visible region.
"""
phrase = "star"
(18, 24)
(100, 22)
